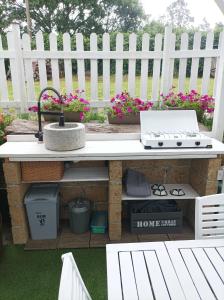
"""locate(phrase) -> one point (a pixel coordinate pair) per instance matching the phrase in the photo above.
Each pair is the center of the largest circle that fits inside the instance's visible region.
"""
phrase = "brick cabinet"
(199, 173)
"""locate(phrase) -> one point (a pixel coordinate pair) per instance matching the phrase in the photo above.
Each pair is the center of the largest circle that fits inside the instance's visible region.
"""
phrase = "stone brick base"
(200, 173)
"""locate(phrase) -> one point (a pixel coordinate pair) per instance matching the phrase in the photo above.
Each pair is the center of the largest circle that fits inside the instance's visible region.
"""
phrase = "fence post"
(15, 44)
(218, 120)
(166, 64)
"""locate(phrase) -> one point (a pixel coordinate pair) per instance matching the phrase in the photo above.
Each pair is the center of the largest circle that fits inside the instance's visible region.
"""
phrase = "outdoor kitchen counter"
(104, 150)
(196, 167)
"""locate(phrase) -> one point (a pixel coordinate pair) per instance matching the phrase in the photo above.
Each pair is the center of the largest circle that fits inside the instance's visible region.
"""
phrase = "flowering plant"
(123, 104)
(5, 120)
(193, 100)
(71, 103)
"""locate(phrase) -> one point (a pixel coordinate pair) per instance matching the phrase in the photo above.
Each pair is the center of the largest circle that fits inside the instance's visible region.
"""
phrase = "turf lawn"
(35, 275)
(112, 86)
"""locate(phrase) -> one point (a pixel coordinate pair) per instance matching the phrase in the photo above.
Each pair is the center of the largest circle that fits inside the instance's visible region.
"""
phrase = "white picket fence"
(21, 57)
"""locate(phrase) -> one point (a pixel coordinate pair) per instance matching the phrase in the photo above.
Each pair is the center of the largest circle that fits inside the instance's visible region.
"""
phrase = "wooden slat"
(170, 73)
(94, 68)
(119, 64)
(213, 223)
(156, 69)
(183, 63)
(197, 275)
(221, 251)
(210, 273)
(67, 64)
(41, 62)
(195, 62)
(144, 67)
(213, 209)
(54, 62)
(127, 277)
(13, 68)
(3, 79)
(207, 64)
(114, 289)
(156, 277)
(106, 68)
(28, 69)
(141, 276)
(213, 231)
(216, 260)
(213, 216)
(80, 63)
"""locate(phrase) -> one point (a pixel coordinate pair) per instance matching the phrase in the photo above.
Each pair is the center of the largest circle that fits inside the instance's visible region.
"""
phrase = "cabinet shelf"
(190, 193)
(82, 174)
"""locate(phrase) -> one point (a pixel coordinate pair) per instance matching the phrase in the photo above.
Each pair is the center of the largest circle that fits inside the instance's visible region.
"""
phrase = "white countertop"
(103, 150)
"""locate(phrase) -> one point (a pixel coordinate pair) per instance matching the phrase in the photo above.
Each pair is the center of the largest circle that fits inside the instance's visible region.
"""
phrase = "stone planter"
(132, 118)
(70, 116)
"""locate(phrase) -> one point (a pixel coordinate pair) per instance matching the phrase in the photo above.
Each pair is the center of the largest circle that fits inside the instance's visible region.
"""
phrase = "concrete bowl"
(65, 138)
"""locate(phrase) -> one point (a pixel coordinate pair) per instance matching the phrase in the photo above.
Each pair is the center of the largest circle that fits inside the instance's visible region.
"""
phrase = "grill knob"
(160, 144)
(179, 144)
(197, 143)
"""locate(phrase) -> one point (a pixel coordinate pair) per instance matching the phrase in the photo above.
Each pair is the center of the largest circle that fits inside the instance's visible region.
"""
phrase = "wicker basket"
(42, 171)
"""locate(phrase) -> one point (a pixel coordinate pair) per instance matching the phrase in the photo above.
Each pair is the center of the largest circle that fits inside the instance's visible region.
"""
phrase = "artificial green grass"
(35, 275)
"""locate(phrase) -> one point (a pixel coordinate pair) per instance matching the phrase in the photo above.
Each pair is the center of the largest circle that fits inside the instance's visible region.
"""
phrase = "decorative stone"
(71, 136)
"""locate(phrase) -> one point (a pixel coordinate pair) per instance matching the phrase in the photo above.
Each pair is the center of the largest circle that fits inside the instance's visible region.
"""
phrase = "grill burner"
(181, 130)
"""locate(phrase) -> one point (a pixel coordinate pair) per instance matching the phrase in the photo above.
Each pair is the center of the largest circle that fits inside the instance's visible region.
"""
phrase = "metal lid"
(79, 205)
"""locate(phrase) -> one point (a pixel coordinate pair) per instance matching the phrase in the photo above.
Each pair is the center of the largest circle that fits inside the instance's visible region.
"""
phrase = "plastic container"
(42, 206)
(79, 215)
(99, 222)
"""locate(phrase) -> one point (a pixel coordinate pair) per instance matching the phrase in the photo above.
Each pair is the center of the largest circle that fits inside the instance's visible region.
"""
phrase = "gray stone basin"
(69, 137)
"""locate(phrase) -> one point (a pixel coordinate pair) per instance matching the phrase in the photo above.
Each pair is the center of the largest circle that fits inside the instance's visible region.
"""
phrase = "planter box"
(126, 119)
(70, 116)
(155, 222)
(42, 171)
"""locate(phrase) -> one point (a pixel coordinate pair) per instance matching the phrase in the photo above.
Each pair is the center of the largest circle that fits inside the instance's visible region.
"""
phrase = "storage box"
(42, 171)
(142, 221)
(99, 222)
(42, 206)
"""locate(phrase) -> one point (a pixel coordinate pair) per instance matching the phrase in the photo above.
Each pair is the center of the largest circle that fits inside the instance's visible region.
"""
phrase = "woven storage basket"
(42, 170)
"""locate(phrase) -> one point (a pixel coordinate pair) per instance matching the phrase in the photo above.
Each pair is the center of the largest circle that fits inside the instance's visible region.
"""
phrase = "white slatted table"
(199, 265)
(141, 271)
(171, 270)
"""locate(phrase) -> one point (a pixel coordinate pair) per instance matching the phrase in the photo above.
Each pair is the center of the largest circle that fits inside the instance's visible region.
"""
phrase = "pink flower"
(82, 116)
(129, 110)
(86, 108)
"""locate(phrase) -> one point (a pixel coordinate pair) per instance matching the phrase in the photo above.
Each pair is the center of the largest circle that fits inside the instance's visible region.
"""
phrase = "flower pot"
(70, 116)
(51, 118)
(132, 118)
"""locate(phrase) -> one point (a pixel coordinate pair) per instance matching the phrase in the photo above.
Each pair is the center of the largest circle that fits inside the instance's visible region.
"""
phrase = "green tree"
(178, 14)
(76, 15)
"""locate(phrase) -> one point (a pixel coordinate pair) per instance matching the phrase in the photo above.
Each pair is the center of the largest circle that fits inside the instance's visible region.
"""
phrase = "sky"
(199, 9)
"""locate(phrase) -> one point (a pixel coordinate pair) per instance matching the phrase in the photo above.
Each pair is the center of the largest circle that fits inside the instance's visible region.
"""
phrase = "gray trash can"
(79, 215)
(42, 206)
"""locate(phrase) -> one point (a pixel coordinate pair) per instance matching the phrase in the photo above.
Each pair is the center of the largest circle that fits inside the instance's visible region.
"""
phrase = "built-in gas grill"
(172, 129)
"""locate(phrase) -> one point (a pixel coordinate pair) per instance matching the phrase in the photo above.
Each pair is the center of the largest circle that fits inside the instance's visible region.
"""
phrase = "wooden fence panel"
(3, 79)
(144, 67)
(195, 62)
(67, 64)
(93, 68)
(80, 63)
(28, 68)
(106, 68)
(132, 65)
(119, 64)
(183, 63)
(41, 61)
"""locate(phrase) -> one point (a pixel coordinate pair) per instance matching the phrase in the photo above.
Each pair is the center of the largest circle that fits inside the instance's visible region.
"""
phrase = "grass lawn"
(35, 274)
(112, 86)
